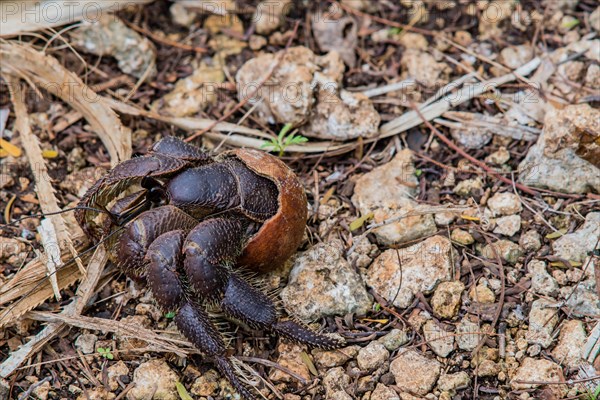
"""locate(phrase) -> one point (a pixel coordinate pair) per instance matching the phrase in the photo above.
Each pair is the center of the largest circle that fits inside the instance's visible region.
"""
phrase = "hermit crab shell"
(279, 236)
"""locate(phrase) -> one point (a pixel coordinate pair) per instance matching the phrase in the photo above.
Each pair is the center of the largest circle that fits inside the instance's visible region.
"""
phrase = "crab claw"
(127, 173)
(167, 156)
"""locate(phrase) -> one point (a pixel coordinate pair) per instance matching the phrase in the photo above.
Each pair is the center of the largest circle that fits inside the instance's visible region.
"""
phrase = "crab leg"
(163, 257)
(142, 231)
(244, 302)
(210, 246)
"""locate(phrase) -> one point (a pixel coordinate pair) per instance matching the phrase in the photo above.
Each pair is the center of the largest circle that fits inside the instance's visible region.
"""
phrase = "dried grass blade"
(32, 15)
(84, 292)
(43, 186)
(46, 72)
(48, 237)
(162, 343)
(411, 119)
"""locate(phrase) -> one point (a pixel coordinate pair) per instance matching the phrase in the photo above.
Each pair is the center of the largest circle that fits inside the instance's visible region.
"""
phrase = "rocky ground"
(454, 232)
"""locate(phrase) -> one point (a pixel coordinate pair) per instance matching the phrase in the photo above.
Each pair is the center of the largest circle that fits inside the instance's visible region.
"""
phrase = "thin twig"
(472, 159)
(162, 40)
(273, 365)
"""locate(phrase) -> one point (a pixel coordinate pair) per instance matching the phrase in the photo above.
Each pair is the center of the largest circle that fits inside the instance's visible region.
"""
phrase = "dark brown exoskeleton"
(196, 224)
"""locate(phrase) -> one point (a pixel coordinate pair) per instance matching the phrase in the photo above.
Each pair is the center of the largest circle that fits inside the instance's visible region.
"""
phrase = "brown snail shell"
(279, 236)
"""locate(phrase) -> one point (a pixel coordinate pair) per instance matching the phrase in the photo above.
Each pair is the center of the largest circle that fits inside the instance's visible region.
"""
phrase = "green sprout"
(183, 393)
(592, 395)
(170, 315)
(105, 353)
(570, 24)
(282, 141)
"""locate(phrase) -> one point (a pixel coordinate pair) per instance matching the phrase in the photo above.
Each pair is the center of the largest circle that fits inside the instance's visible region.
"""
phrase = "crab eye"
(157, 196)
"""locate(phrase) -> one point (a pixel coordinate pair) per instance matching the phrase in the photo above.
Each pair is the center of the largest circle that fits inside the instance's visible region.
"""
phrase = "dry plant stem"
(472, 159)
(49, 240)
(82, 296)
(46, 72)
(168, 42)
(592, 345)
(392, 87)
(161, 343)
(273, 365)
(500, 299)
(411, 119)
(242, 103)
(30, 285)
(43, 187)
(401, 124)
(183, 123)
(25, 21)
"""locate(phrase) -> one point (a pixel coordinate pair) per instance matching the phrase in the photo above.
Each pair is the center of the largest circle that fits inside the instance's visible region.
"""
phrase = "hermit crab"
(193, 229)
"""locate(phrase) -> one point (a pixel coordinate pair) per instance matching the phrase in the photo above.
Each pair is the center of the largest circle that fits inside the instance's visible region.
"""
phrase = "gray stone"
(538, 370)
(508, 225)
(269, 15)
(86, 343)
(530, 241)
(515, 56)
(414, 372)
(334, 358)
(323, 283)
(541, 281)
(394, 339)
(388, 192)
(453, 382)
(440, 341)
(154, 379)
(109, 36)
(571, 342)
(372, 356)
(575, 246)
(335, 381)
(505, 203)
(553, 162)
(461, 236)
(467, 336)
(469, 187)
(583, 299)
(399, 274)
(383, 392)
(506, 250)
(446, 299)
(542, 320)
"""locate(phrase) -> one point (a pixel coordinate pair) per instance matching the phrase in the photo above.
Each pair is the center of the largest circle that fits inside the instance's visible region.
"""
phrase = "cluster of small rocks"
(452, 328)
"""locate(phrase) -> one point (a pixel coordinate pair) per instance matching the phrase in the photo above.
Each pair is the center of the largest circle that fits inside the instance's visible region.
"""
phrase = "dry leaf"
(10, 148)
(339, 35)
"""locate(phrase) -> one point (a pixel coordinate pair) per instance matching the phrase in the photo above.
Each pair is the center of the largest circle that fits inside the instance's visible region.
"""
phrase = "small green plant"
(105, 353)
(183, 393)
(570, 24)
(284, 140)
(170, 315)
(592, 395)
(394, 31)
(596, 393)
